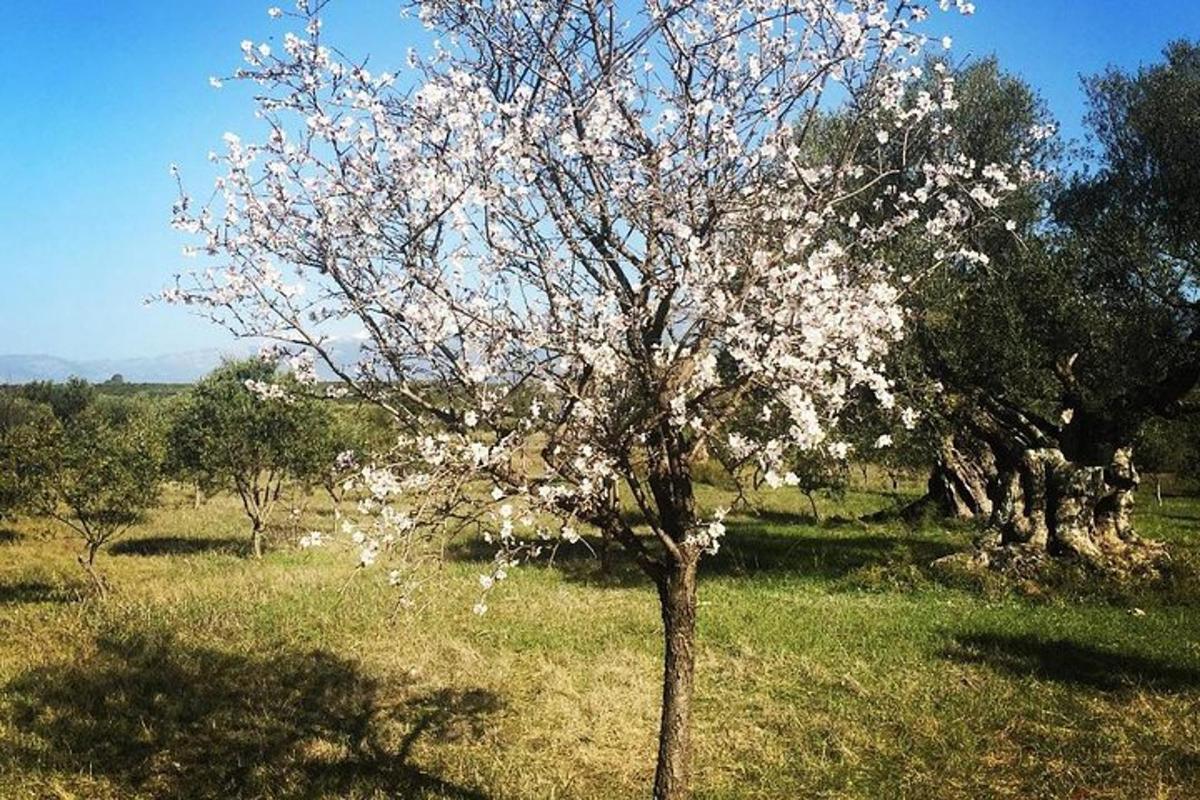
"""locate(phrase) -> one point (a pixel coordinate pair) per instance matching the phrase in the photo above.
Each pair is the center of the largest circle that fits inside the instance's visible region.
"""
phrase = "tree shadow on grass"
(178, 546)
(749, 548)
(1072, 663)
(9, 536)
(34, 592)
(828, 554)
(1178, 517)
(154, 717)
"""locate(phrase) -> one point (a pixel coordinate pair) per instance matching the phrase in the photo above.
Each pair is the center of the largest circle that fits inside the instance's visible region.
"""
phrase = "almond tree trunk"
(674, 575)
(677, 596)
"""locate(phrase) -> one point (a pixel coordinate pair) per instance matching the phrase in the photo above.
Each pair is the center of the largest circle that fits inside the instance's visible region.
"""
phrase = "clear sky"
(101, 97)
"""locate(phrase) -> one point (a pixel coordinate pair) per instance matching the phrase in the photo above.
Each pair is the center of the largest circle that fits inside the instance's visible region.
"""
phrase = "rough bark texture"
(677, 594)
(257, 539)
(1038, 501)
(961, 481)
(672, 517)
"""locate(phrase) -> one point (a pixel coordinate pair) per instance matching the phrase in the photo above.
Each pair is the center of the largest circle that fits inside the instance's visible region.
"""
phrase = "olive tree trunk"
(256, 537)
(87, 560)
(1038, 496)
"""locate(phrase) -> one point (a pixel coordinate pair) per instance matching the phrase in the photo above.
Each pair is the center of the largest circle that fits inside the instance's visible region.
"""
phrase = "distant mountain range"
(171, 368)
(185, 367)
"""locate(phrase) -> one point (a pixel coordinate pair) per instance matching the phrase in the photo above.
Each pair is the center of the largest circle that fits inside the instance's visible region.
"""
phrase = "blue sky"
(100, 98)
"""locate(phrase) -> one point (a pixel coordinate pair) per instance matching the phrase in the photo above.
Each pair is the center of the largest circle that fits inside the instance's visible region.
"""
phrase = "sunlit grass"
(831, 665)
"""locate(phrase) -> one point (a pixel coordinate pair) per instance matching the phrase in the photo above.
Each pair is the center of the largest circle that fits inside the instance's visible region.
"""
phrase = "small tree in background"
(180, 465)
(816, 471)
(246, 428)
(353, 435)
(821, 468)
(94, 466)
(1169, 447)
(21, 422)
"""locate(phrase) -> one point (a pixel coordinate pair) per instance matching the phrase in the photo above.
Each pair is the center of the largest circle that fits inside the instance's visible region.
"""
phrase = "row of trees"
(96, 463)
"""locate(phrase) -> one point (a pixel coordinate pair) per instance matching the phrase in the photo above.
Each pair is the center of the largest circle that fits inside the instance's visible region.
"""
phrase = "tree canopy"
(92, 463)
(248, 428)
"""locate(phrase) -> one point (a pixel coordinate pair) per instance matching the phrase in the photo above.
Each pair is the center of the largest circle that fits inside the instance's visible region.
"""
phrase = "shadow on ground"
(153, 717)
(825, 553)
(178, 546)
(1072, 663)
(9, 536)
(34, 592)
(769, 544)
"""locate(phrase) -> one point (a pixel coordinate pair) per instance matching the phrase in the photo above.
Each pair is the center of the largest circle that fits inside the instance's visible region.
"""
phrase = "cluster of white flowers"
(489, 580)
(266, 390)
(632, 222)
(708, 536)
(312, 539)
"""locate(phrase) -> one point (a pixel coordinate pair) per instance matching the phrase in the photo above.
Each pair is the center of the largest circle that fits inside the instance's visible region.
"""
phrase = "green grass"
(831, 665)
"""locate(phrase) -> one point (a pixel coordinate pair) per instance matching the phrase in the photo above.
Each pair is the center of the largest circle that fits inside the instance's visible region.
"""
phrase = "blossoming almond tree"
(577, 239)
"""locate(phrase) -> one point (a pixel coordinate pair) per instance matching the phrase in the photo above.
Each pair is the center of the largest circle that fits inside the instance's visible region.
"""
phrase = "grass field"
(831, 666)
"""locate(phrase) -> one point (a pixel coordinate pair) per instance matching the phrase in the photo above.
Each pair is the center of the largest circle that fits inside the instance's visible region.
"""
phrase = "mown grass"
(831, 665)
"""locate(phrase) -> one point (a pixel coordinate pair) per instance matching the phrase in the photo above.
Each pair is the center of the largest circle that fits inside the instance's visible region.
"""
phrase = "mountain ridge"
(181, 367)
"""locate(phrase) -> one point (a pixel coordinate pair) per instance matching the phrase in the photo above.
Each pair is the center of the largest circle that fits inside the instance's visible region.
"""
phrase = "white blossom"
(312, 539)
(603, 269)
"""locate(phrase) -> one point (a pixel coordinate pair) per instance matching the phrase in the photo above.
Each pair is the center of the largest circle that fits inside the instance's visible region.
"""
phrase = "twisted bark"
(1039, 496)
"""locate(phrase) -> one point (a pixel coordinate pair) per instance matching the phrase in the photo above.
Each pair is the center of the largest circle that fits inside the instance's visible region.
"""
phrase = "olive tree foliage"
(245, 428)
(1135, 221)
(588, 204)
(180, 466)
(22, 424)
(92, 463)
(1089, 329)
(65, 400)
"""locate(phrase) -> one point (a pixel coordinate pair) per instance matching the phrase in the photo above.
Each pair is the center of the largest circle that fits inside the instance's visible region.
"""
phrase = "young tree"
(181, 466)
(815, 471)
(95, 466)
(244, 427)
(595, 202)
(1168, 447)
